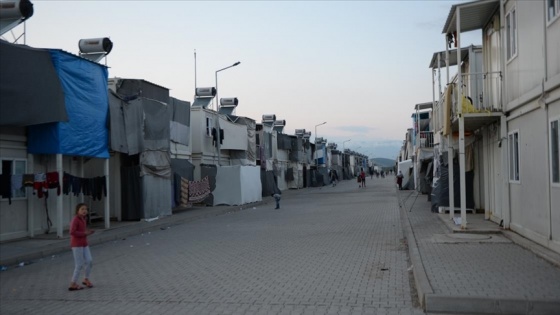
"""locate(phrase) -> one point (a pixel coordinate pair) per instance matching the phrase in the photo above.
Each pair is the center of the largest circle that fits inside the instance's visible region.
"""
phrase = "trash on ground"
(151, 219)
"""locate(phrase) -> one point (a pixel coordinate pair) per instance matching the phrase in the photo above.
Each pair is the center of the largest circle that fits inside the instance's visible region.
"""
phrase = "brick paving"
(329, 250)
(487, 271)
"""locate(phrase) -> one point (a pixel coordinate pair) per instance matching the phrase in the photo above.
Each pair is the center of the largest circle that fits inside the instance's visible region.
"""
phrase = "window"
(511, 29)
(552, 9)
(209, 126)
(554, 151)
(15, 167)
(513, 141)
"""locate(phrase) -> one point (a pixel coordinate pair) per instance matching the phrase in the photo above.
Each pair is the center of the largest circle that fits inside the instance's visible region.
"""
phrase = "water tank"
(95, 45)
(206, 92)
(229, 101)
(22, 9)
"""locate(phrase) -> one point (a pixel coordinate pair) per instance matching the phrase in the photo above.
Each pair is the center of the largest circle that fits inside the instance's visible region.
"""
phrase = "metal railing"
(426, 139)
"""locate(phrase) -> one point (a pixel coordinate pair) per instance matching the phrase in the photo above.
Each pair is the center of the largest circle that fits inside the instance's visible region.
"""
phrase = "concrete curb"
(421, 281)
(436, 303)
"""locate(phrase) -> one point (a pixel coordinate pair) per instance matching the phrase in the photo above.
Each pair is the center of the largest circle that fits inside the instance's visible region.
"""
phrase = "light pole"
(316, 153)
(218, 133)
(343, 142)
(217, 99)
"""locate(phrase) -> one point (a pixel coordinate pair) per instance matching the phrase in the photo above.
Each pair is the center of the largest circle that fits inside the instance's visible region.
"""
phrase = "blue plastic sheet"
(85, 93)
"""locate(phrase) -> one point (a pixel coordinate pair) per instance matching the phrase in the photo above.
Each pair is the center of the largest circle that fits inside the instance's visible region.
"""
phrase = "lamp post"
(218, 133)
(217, 99)
(343, 142)
(316, 154)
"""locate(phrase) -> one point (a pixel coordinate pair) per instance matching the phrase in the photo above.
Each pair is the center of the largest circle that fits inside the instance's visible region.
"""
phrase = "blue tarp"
(85, 93)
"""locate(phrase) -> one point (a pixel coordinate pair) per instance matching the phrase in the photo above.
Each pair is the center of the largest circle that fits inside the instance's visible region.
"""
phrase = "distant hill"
(383, 162)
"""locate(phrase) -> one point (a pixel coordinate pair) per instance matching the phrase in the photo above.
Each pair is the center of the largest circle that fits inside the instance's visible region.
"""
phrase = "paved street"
(329, 250)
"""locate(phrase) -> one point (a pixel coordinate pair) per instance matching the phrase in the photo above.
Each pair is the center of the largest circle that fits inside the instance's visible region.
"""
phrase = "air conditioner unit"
(268, 118)
(205, 92)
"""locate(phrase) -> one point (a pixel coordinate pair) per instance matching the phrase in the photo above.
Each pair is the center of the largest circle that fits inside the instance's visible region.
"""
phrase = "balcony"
(426, 139)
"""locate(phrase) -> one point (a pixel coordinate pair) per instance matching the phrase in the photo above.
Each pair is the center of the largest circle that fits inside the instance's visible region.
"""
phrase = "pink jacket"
(78, 236)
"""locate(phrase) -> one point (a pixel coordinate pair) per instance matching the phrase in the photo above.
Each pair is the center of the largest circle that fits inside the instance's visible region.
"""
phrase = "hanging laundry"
(17, 182)
(199, 190)
(76, 185)
(214, 137)
(185, 192)
(53, 182)
(28, 180)
(99, 188)
(6, 187)
(40, 184)
(66, 180)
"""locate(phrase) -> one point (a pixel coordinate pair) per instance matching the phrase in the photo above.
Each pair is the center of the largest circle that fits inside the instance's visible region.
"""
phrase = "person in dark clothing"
(400, 179)
(277, 196)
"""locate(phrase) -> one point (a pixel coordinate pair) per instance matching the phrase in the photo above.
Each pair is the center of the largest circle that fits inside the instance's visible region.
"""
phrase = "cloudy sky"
(361, 66)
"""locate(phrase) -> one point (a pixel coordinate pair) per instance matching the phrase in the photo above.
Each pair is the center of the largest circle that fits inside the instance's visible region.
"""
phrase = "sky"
(360, 66)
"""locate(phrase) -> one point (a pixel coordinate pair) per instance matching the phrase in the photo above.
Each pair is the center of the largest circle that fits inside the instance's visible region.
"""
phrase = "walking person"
(277, 196)
(399, 179)
(333, 177)
(363, 177)
(80, 248)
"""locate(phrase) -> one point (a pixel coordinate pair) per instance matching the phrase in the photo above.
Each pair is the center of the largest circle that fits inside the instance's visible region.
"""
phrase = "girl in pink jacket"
(80, 247)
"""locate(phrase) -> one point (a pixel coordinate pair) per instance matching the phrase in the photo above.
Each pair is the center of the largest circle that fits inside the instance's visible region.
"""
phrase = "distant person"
(362, 178)
(277, 196)
(80, 248)
(334, 177)
(400, 177)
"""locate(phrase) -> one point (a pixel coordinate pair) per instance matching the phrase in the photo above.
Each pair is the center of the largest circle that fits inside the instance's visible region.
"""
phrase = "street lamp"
(217, 98)
(343, 142)
(218, 133)
(316, 154)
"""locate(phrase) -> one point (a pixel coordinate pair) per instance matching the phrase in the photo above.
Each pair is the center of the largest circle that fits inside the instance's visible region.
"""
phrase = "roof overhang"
(473, 15)
(422, 106)
(452, 57)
